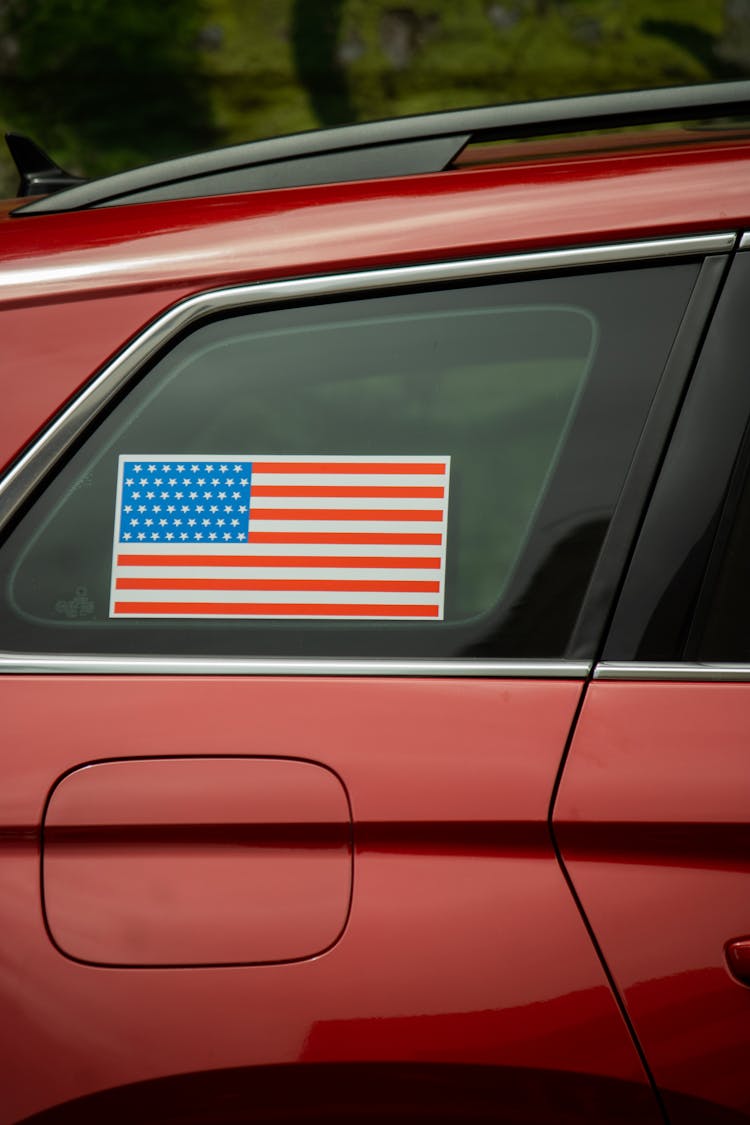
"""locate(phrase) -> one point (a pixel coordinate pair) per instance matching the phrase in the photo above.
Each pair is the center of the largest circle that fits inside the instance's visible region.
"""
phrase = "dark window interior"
(537, 390)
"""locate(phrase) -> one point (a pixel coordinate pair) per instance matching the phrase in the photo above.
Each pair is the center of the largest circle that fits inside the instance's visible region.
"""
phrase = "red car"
(375, 611)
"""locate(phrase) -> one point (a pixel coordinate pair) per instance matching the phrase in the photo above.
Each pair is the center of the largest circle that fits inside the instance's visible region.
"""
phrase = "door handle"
(738, 959)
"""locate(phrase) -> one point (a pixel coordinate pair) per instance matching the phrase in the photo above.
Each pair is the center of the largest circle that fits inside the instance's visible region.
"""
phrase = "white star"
(183, 535)
(134, 522)
(213, 508)
(141, 507)
(240, 535)
(154, 534)
(207, 495)
(171, 482)
(171, 508)
(192, 523)
(129, 480)
(228, 507)
(157, 507)
(164, 495)
(187, 481)
(215, 482)
(141, 534)
(128, 508)
(229, 481)
(209, 468)
(193, 468)
(199, 507)
(201, 481)
(238, 468)
(136, 496)
(227, 535)
(169, 535)
(126, 535)
(137, 468)
(212, 535)
(152, 468)
(179, 495)
(193, 495)
(199, 535)
(180, 468)
(220, 523)
(158, 481)
(206, 523)
(144, 482)
(245, 482)
(222, 495)
(176, 521)
(150, 495)
(148, 522)
(223, 468)
(184, 507)
(235, 523)
(162, 523)
(235, 495)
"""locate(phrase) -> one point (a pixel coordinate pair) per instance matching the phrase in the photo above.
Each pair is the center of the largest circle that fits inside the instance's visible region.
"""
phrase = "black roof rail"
(397, 147)
(39, 175)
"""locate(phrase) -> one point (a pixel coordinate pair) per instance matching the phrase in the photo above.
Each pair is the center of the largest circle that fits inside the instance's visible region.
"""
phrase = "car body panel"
(446, 956)
(652, 819)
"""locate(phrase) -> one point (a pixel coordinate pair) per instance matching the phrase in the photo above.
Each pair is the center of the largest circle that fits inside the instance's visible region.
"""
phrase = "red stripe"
(432, 515)
(416, 492)
(349, 584)
(425, 467)
(282, 609)
(410, 538)
(358, 561)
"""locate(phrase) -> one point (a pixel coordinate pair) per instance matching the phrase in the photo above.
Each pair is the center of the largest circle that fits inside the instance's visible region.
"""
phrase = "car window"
(422, 473)
(721, 628)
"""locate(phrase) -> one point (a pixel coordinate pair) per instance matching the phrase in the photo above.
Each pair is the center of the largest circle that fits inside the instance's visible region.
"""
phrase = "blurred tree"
(316, 39)
(105, 84)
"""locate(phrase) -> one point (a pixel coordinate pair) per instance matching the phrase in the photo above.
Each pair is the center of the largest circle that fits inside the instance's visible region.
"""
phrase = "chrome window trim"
(31, 467)
(23, 664)
(745, 241)
(26, 473)
(677, 673)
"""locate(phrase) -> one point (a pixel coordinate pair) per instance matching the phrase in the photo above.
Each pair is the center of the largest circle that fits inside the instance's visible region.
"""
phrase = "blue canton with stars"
(190, 501)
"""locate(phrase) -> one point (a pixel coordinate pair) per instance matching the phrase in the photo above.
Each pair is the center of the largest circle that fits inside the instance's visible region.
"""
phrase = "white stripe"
(386, 550)
(286, 597)
(368, 480)
(387, 503)
(324, 572)
(389, 527)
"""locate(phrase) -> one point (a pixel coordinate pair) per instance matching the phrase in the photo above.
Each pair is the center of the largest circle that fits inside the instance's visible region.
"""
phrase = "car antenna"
(38, 171)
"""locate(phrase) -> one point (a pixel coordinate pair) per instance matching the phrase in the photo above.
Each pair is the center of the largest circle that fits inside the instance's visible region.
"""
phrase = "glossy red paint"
(127, 264)
(653, 818)
(197, 861)
(446, 956)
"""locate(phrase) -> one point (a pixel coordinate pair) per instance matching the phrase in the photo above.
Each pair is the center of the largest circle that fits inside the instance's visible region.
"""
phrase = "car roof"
(563, 200)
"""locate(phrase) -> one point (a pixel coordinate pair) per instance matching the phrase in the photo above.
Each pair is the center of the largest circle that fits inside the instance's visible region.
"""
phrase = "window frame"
(23, 479)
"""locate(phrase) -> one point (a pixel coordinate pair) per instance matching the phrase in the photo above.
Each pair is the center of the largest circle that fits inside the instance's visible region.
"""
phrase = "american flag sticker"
(360, 538)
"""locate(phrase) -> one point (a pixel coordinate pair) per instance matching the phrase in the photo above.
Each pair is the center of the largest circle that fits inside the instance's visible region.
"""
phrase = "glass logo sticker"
(280, 537)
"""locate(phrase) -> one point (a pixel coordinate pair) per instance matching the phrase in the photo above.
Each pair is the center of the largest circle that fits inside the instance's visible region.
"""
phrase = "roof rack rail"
(397, 147)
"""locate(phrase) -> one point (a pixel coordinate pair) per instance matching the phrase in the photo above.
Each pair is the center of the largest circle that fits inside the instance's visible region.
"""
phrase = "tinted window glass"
(516, 407)
(721, 629)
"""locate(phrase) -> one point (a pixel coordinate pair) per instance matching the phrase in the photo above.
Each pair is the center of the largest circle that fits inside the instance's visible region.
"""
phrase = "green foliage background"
(108, 84)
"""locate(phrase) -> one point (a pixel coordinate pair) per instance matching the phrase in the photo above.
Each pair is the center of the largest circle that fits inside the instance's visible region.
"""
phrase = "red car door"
(653, 813)
(274, 808)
